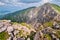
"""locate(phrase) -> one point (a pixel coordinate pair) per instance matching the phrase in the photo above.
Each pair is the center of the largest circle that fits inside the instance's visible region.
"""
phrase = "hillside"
(18, 16)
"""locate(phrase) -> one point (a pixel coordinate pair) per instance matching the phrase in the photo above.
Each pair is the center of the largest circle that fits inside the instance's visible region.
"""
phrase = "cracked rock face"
(4, 24)
(10, 29)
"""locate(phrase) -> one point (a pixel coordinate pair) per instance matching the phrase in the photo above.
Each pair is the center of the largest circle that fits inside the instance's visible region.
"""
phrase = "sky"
(7, 6)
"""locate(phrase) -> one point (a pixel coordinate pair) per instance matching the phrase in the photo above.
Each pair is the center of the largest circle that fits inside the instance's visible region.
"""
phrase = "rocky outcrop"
(4, 24)
(47, 31)
(56, 25)
(38, 36)
(14, 29)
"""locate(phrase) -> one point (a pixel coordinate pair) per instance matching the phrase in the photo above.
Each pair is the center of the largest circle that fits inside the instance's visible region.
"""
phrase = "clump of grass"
(48, 24)
(47, 36)
(4, 36)
(27, 25)
(22, 34)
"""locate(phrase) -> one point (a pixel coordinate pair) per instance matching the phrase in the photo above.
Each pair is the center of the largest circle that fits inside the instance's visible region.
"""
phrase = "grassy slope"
(56, 7)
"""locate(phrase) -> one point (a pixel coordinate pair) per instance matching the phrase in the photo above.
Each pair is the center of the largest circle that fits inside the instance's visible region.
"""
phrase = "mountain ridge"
(26, 14)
